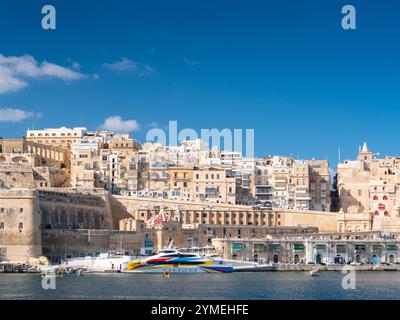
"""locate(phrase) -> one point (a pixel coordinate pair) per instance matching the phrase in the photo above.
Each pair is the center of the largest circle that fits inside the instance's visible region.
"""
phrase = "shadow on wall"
(75, 210)
(118, 210)
(351, 205)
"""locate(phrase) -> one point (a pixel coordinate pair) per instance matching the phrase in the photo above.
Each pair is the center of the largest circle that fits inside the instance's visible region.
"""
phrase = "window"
(386, 214)
(1, 148)
(2, 210)
(21, 210)
(376, 198)
(20, 226)
(1, 225)
(376, 213)
(385, 197)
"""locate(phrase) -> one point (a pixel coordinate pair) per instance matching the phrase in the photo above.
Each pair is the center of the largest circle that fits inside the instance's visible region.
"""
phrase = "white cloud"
(8, 83)
(190, 62)
(15, 70)
(123, 65)
(115, 123)
(146, 71)
(16, 115)
(74, 65)
(127, 65)
(153, 124)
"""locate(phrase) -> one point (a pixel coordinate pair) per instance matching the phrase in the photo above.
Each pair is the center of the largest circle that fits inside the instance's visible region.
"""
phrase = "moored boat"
(175, 261)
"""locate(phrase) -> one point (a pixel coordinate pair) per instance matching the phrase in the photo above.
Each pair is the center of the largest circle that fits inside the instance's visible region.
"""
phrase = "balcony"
(303, 196)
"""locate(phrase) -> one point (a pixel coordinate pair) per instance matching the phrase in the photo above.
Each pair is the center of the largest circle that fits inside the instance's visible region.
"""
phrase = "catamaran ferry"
(173, 261)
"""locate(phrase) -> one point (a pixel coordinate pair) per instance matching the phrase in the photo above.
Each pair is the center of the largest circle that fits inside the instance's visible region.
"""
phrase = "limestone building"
(19, 225)
(282, 182)
(369, 184)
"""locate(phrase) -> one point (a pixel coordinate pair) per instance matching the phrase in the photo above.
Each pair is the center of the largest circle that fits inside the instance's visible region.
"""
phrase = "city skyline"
(291, 72)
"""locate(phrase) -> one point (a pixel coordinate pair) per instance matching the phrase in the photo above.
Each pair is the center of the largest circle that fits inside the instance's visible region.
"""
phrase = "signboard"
(320, 247)
(391, 247)
(237, 246)
(298, 247)
(377, 247)
(275, 246)
(360, 247)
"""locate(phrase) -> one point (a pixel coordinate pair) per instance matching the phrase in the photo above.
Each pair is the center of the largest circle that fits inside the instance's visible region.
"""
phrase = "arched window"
(1, 148)
(376, 198)
(386, 214)
(385, 197)
(376, 213)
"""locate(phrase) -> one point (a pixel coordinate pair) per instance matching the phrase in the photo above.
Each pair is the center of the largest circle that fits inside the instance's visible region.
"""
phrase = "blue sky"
(285, 68)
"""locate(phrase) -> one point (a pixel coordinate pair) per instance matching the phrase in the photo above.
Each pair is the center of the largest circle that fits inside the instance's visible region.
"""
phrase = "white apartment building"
(57, 137)
(282, 182)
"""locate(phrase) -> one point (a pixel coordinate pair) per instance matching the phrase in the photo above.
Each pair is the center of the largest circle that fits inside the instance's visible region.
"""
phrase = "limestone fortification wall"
(324, 221)
(51, 177)
(63, 209)
(387, 224)
(124, 207)
(16, 175)
(60, 243)
(19, 220)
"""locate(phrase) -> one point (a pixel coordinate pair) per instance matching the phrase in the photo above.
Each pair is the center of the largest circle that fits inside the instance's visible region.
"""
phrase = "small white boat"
(105, 262)
(314, 273)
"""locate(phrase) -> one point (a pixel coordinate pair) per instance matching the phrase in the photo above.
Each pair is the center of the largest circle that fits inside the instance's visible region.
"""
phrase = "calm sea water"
(236, 286)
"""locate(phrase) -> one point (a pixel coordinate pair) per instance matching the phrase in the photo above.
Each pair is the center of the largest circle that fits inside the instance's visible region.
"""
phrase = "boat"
(108, 262)
(245, 266)
(171, 260)
(314, 273)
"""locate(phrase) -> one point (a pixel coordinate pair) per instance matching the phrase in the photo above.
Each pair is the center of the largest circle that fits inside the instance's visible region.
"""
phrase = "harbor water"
(235, 286)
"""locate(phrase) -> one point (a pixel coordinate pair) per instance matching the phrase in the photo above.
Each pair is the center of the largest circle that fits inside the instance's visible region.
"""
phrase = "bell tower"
(364, 154)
